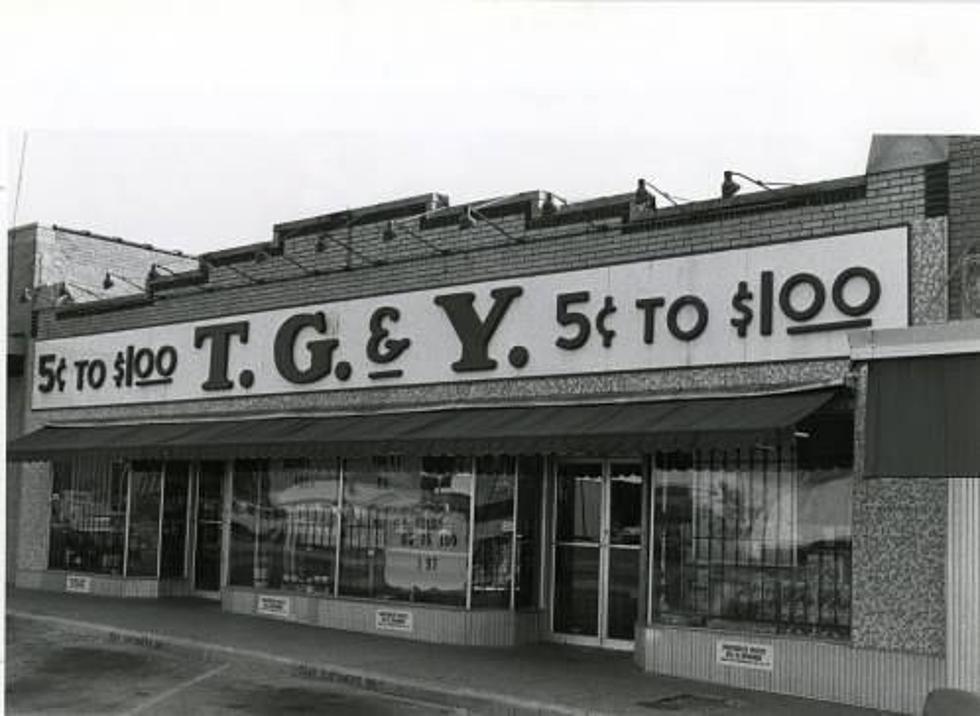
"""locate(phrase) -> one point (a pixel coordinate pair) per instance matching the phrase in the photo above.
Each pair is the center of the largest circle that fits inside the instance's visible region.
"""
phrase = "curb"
(465, 699)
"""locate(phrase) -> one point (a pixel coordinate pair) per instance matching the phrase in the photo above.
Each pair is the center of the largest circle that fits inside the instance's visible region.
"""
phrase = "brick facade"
(964, 214)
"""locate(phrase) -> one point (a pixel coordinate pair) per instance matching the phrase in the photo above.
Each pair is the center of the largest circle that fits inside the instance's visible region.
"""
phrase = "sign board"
(744, 654)
(393, 620)
(272, 606)
(79, 584)
(774, 302)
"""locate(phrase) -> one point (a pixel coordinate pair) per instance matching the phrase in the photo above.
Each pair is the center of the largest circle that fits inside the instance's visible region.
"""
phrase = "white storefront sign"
(272, 606)
(744, 654)
(78, 584)
(393, 620)
(777, 302)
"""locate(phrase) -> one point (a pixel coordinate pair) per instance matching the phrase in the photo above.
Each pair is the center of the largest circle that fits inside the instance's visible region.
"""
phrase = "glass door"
(208, 527)
(597, 527)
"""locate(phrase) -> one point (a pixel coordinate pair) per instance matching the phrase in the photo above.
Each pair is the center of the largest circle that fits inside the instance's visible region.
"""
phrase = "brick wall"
(964, 211)
(83, 259)
(481, 253)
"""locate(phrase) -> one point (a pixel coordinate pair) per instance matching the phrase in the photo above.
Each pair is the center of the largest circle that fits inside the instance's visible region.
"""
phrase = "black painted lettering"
(220, 336)
(816, 301)
(474, 335)
(687, 334)
(381, 348)
(649, 307)
(80, 366)
(740, 302)
(840, 283)
(46, 371)
(765, 304)
(321, 351)
(572, 318)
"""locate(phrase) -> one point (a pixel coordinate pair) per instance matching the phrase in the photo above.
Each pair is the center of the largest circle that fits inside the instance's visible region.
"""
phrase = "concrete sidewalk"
(535, 679)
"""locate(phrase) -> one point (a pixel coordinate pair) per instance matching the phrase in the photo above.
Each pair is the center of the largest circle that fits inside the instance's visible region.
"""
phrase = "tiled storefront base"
(102, 585)
(442, 625)
(894, 681)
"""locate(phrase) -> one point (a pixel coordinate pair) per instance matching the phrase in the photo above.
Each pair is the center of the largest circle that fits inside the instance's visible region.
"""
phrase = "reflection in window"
(530, 478)
(88, 516)
(248, 483)
(302, 547)
(144, 518)
(405, 528)
(753, 535)
(173, 549)
(493, 532)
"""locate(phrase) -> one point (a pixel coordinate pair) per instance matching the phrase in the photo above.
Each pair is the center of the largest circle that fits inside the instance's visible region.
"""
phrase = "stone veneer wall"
(899, 565)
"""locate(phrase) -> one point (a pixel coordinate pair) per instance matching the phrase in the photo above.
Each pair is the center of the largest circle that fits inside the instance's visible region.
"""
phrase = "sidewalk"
(535, 679)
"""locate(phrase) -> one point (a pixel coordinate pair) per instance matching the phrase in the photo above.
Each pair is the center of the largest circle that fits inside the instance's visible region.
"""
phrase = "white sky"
(198, 125)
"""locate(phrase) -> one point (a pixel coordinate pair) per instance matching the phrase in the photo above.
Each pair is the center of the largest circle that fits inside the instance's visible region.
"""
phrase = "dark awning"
(571, 429)
(924, 417)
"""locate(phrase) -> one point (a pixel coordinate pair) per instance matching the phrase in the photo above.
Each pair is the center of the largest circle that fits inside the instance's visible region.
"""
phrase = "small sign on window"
(272, 606)
(78, 584)
(392, 620)
(744, 654)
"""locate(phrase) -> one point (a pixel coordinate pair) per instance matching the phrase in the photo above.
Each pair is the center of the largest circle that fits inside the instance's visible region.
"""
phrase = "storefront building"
(606, 423)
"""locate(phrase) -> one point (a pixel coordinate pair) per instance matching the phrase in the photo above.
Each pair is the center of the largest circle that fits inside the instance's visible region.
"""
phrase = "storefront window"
(752, 536)
(244, 566)
(493, 532)
(530, 484)
(144, 518)
(405, 529)
(88, 516)
(301, 542)
(173, 557)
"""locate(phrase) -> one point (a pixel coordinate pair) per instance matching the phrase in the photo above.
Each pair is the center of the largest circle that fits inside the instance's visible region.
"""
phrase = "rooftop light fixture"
(669, 197)
(642, 195)
(468, 218)
(154, 273)
(108, 282)
(321, 246)
(549, 208)
(391, 232)
(730, 187)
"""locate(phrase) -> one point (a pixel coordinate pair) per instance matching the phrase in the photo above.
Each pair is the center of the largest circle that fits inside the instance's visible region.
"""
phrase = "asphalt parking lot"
(50, 669)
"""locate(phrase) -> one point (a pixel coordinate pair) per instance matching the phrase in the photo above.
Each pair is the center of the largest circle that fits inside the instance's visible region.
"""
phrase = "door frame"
(601, 640)
(194, 507)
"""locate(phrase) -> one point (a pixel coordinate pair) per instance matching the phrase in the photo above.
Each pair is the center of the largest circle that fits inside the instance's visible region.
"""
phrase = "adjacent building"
(736, 437)
(56, 265)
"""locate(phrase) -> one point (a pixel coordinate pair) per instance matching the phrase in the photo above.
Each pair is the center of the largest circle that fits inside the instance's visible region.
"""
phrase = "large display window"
(119, 518)
(756, 537)
(436, 530)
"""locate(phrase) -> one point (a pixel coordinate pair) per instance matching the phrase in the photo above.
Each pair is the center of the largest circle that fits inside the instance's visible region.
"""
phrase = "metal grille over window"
(88, 516)
(752, 537)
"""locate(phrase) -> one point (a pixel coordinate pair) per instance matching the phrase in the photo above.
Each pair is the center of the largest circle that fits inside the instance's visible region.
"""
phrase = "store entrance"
(208, 504)
(596, 551)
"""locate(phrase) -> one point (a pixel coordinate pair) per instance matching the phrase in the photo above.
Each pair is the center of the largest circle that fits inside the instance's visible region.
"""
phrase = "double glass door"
(597, 528)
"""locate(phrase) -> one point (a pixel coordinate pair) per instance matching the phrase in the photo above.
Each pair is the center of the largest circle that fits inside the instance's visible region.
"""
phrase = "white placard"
(78, 584)
(393, 620)
(776, 302)
(744, 654)
(272, 605)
